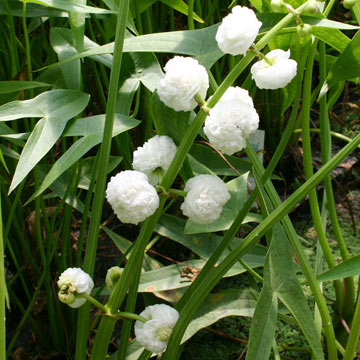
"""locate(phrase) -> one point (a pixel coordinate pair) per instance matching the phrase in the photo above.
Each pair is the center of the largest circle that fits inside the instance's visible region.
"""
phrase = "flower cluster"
(206, 196)
(154, 334)
(238, 31)
(231, 121)
(276, 71)
(72, 283)
(184, 78)
(154, 156)
(131, 196)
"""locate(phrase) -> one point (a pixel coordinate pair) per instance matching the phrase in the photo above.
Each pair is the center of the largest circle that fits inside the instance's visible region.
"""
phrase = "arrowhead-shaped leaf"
(55, 108)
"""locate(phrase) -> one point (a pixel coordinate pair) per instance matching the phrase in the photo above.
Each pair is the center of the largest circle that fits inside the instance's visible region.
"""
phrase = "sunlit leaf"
(55, 108)
(12, 86)
(349, 267)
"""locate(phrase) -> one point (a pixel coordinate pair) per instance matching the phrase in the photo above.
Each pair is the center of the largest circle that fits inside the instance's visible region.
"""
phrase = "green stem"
(332, 133)
(308, 168)
(306, 267)
(27, 43)
(89, 261)
(128, 276)
(353, 340)
(216, 274)
(349, 285)
(3, 293)
(95, 302)
(191, 25)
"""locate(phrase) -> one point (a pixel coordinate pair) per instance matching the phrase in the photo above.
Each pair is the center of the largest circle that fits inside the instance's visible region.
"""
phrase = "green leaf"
(206, 156)
(168, 121)
(170, 277)
(2, 161)
(203, 245)
(63, 44)
(124, 244)
(71, 7)
(324, 29)
(180, 6)
(349, 267)
(32, 10)
(55, 108)
(347, 65)
(13, 86)
(333, 37)
(144, 68)
(60, 186)
(262, 330)
(83, 145)
(232, 302)
(200, 44)
(287, 288)
(87, 166)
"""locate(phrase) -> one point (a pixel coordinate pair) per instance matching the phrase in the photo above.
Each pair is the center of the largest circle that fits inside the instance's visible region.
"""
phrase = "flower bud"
(348, 4)
(66, 296)
(313, 7)
(112, 277)
(304, 30)
(276, 5)
(163, 334)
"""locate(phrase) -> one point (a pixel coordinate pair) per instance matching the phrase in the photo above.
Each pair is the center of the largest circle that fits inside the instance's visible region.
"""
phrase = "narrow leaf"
(347, 268)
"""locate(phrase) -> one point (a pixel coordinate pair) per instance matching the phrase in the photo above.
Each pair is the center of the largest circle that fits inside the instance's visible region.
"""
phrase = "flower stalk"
(90, 254)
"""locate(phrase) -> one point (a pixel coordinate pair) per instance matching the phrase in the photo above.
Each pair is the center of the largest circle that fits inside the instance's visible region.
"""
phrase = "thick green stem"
(306, 267)
(217, 273)
(308, 168)
(349, 286)
(353, 341)
(191, 25)
(3, 293)
(89, 262)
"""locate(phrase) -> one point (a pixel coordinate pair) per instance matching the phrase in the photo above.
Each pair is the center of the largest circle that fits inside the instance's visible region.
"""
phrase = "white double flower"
(206, 196)
(72, 283)
(231, 121)
(154, 156)
(238, 31)
(184, 78)
(131, 196)
(154, 334)
(276, 71)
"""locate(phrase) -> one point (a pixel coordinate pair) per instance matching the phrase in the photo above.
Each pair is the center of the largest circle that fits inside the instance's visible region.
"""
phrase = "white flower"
(206, 196)
(72, 282)
(154, 334)
(231, 121)
(184, 78)
(131, 196)
(238, 31)
(277, 75)
(156, 154)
